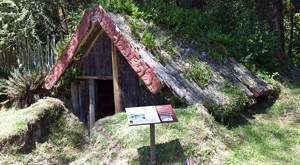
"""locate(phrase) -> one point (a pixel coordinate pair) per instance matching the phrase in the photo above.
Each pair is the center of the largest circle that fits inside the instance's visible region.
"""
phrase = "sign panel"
(166, 113)
(150, 115)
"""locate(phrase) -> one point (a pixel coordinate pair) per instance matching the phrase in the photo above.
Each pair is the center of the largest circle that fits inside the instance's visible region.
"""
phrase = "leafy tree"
(271, 11)
(292, 30)
(26, 20)
(23, 20)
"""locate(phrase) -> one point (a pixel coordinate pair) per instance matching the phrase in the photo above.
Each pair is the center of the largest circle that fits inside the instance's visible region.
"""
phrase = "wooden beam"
(95, 78)
(92, 94)
(75, 98)
(117, 96)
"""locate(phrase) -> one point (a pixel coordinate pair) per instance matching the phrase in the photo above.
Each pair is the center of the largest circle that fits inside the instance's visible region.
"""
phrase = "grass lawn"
(192, 139)
(272, 134)
(14, 121)
(266, 133)
(65, 140)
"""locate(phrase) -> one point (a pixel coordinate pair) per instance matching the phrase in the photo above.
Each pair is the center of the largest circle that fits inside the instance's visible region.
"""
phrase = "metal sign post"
(152, 143)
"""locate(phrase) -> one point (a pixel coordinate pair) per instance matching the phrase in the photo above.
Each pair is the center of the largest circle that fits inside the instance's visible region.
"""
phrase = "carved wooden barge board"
(91, 19)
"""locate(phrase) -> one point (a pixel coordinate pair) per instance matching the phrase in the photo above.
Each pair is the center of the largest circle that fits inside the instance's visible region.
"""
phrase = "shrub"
(199, 72)
(234, 100)
(225, 28)
(23, 87)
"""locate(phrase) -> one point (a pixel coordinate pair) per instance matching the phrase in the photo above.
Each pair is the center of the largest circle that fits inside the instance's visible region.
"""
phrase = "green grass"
(272, 137)
(64, 140)
(193, 138)
(13, 121)
(266, 133)
(269, 134)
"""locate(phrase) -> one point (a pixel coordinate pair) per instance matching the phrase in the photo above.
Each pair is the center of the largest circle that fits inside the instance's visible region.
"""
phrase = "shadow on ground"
(262, 105)
(165, 153)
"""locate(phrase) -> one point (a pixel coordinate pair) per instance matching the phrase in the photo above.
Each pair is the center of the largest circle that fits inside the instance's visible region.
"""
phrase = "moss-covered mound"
(192, 140)
(45, 132)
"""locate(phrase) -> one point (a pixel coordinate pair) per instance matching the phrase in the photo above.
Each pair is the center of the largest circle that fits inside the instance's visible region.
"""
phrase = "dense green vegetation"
(26, 21)
(230, 28)
(221, 29)
(23, 87)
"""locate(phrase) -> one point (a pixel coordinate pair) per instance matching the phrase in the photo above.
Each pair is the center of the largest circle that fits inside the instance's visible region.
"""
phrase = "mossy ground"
(14, 121)
(192, 139)
(64, 141)
(266, 133)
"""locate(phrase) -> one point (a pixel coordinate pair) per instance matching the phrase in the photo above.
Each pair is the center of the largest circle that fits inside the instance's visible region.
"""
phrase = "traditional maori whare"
(96, 16)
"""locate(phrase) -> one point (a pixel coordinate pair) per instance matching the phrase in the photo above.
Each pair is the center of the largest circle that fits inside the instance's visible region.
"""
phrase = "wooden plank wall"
(132, 93)
(98, 62)
(83, 91)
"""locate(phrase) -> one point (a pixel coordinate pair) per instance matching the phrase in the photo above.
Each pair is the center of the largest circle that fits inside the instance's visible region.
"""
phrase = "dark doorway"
(105, 99)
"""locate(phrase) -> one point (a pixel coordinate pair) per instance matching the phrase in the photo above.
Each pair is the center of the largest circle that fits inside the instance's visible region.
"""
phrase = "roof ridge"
(97, 15)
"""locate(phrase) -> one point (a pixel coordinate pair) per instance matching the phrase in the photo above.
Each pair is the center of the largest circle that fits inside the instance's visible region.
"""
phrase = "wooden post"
(118, 106)
(75, 98)
(152, 143)
(92, 104)
(80, 97)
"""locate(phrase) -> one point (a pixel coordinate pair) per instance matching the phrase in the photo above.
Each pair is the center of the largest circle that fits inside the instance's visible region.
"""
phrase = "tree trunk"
(291, 33)
(198, 4)
(271, 11)
(296, 4)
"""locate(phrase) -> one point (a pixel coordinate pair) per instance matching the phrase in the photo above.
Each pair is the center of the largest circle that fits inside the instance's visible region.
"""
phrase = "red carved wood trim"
(95, 16)
(67, 55)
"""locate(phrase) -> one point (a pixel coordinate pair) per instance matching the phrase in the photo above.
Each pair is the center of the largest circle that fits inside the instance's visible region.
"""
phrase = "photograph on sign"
(142, 115)
(166, 118)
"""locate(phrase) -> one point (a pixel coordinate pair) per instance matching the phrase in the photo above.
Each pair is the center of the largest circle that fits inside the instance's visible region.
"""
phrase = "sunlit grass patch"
(64, 136)
(272, 137)
(14, 121)
(192, 138)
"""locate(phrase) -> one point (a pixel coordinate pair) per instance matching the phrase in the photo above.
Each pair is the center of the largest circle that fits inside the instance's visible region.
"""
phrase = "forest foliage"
(222, 29)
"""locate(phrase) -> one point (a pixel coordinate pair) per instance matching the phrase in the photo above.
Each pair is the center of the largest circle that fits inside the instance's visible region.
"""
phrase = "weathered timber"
(133, 92)
(98, 62)
(98, 65)
(117, 96)
(94, 78)
(91, 44)
(92, 103)
(83, 94)
(171, 73)
(74, 98)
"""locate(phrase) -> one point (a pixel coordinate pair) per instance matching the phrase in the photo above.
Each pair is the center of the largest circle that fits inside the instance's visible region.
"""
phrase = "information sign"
(150, 115)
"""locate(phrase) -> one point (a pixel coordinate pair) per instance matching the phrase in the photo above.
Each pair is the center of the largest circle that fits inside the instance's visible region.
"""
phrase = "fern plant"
(22, 87)
(199, 72)
(1, 86)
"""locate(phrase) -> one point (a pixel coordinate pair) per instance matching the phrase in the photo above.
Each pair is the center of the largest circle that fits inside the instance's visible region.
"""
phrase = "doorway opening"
(105, 99)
